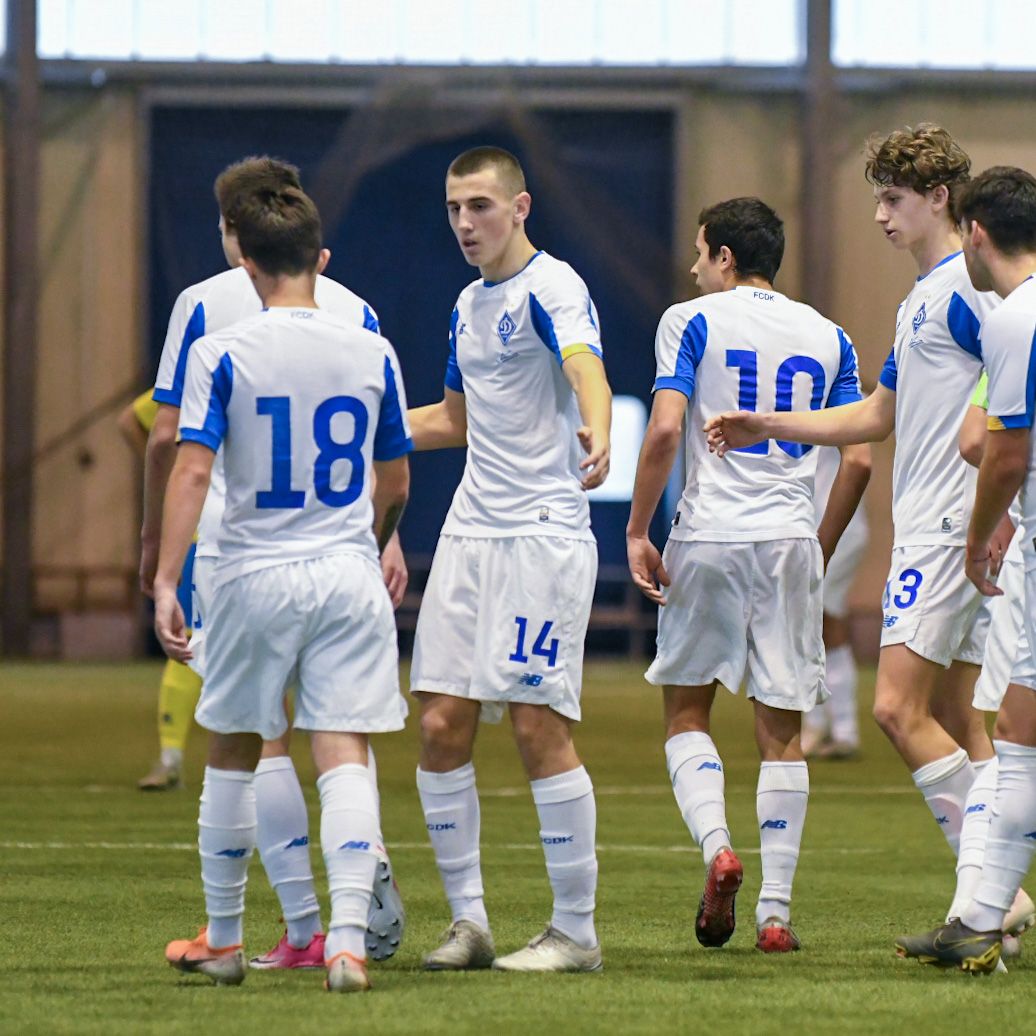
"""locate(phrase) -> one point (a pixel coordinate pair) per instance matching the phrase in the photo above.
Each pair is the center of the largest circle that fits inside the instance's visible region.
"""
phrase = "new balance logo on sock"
(451, 826)
(1032, 835)
(709, 765)
(298, 843)
(234, 854)
(776, 825)
(942, 820)
(979, 807)
(558, 839)
(358, 846)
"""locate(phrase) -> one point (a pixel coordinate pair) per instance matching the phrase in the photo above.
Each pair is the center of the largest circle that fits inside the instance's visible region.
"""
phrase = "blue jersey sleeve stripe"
(888, 372)
(201, 435)
(677, 384)
(390, 437)
(846, 387)
(1013, 420)
(215, 425)
(692, 349)
(166, 396)
(370, 320)
(964, 325)
(544, 326)
(194, 330)
(453, 379)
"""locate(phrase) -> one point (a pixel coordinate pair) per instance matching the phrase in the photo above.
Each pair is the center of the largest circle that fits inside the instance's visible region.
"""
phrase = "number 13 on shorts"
(544, 645)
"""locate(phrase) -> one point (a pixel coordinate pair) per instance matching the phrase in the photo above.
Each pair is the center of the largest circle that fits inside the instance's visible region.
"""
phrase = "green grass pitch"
(95, 877)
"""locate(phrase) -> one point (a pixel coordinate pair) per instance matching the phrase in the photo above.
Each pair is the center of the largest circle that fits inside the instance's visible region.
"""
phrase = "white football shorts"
(1024, 669)
(504, 620)
(932, 607)
(1007, 659)
(841, 569)
(201, 603)
(325, 624)
(749, 612)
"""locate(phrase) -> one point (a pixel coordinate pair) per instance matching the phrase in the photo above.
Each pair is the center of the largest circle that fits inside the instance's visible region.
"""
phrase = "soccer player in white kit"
(934, 627)
(308, 409)
(283, 839)
(830, 730)
(504, 613)
(997, 212)
(740, 584)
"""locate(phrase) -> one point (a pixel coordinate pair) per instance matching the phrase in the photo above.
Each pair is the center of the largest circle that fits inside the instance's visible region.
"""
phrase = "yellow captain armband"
(580, 347)
(145, 409)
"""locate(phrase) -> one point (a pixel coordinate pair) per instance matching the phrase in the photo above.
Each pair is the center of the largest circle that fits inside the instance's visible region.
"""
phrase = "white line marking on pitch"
(404, 847)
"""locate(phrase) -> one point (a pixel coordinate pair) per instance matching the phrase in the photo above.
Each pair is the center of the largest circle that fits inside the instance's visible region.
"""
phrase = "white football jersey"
(1009, 350)
(210, 306)
(301, 401)
(508, 340)
(751, 349)
(933, 369)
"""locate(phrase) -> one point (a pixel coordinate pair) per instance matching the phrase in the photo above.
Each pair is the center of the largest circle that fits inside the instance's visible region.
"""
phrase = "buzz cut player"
(505, 611)
(743, 555)
(308, 410)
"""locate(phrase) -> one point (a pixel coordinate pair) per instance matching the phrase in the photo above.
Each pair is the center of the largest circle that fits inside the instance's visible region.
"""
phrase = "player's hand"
(148, 567)
(734, 430)
(394, 570)
(976, 567)
(646, 568)
(998, 545)
(598, 457)
(169, 625)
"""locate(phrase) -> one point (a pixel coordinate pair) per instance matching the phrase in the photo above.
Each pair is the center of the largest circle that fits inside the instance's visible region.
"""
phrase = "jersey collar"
(493, 284)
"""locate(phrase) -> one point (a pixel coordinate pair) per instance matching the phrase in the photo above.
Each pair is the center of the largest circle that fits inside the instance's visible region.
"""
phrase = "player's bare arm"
(391, 490)
(158, 463)
(184, 499)
(441, 425)
(585, 373)
(1000, 477)
(854, 472)
(657, 454)
(870, 420)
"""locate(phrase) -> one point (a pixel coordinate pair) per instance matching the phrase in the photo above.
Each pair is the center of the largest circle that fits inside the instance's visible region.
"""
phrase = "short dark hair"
(919, 158)
(1003, 200)
(252, 174)
(508, 168)
(752, 231)
(278, 229)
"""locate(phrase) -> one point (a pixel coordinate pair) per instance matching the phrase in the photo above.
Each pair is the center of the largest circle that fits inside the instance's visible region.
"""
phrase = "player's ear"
(940, 196)
(323, 259)
(522, 206)
(726, 257)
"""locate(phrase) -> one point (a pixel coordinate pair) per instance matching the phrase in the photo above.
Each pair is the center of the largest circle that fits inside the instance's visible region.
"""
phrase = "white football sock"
(696, 772)
(283, 841)
(780, 802)
(226, 840)
(451, 814)
(372, 772)
(568, 824)
(841, 682)
(978, 811)
(348, 831)
(1011, 839)
(945, 784)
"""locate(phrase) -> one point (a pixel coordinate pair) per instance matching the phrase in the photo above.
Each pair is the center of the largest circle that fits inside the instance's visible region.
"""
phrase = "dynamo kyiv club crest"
(506, 327)
(919, 318)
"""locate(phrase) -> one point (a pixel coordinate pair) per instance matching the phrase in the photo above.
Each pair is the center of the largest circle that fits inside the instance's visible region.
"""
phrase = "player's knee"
(891, 717)
(442, 735)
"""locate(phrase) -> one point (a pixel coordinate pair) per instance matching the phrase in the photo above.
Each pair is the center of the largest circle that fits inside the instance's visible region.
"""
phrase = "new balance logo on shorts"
(557, 839)
(889, 621)
(358, 846)
(979, 807)
(233, 854)
(776, 825)
(710, 765)
(451, 826)
(531, 679)
(298, 843)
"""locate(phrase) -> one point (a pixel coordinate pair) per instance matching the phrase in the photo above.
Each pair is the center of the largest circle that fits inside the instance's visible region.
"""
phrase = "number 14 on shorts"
(542, 646)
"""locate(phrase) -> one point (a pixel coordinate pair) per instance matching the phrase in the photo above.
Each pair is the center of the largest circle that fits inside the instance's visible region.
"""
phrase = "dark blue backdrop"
(602, 192)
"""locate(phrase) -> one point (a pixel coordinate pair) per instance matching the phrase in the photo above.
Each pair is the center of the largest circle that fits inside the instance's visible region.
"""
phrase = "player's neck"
(1011, 271)
(514, 259)
(289, 292)
(933, 249)
(750, 282)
